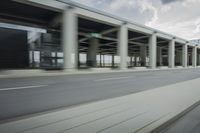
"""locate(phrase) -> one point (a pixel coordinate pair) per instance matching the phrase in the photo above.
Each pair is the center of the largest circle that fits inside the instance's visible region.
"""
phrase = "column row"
(70, 46)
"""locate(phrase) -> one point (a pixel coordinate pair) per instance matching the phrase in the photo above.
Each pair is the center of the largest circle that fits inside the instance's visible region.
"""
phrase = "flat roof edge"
(75, 4)
(84, 7)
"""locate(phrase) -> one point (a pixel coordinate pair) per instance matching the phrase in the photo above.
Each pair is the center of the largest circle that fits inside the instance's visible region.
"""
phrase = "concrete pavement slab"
(139, 112)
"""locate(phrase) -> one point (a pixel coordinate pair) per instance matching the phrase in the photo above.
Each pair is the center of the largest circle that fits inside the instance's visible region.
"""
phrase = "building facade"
(75, 36)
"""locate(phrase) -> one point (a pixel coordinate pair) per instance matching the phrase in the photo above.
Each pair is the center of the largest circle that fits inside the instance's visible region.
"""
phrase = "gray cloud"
(168, 1)
(178, 17)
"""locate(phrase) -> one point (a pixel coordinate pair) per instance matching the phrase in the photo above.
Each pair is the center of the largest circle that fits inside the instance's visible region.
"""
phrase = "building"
(195, 41)
(67, 35)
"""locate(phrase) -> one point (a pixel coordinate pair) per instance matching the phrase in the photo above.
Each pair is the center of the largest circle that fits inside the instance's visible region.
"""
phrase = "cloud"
(147, 6)
(169, 1)
(197, 23)
(181, 19)
(178, 17)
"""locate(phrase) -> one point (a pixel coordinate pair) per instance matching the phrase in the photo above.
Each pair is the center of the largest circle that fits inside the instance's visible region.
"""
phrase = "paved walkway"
(140, 112)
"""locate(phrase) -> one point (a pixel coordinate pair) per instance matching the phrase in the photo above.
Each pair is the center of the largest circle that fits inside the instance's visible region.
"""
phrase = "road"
(25, 96)
(189, 123)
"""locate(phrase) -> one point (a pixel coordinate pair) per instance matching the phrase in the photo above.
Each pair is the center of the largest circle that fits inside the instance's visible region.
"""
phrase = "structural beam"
(136, 43)
(136, 38)
(108, 31)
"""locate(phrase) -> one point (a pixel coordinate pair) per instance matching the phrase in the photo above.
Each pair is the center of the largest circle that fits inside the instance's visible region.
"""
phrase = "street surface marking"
(19, 88)
(112, 78)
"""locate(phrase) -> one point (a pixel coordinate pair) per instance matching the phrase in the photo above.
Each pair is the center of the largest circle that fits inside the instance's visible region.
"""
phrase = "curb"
(168, 123)
(63, 73)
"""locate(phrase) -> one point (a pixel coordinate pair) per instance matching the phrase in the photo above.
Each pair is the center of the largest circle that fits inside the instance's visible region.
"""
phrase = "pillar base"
(171, 66)
(70, 70)
(123, 68)
(151, 67)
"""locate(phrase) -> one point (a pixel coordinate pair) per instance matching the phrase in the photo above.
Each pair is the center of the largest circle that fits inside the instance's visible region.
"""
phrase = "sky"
(177, 17)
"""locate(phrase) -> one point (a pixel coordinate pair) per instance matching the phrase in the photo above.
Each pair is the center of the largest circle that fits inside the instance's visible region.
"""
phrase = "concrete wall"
(13, 49)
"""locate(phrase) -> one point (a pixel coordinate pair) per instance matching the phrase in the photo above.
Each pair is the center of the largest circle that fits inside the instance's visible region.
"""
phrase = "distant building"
(195, 41)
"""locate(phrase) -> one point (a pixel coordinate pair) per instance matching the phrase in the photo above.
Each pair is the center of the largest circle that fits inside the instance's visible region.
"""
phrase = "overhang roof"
(11, 11)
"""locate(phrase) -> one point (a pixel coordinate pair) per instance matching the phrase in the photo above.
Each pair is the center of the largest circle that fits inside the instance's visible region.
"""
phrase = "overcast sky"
(178, 17)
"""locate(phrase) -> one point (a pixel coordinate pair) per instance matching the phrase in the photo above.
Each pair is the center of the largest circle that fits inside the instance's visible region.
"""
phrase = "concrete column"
(33, 58)
(32, 47)
(100, 62)
(113, 60)
(199, 60)
(159, 56)
(178, 57)
(123, 46)
(194, 56)
(131, 61)
(171, 53)
(135, 59)
(185, 55)
(78, 59)
(189, 59)
(198, 57)
(143, 54)
(92, 52)
(56, 59)
(103, 60)
(69, 39)
(152, 50)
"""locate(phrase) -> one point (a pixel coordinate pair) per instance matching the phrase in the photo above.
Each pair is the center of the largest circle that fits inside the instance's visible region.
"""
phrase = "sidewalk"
(140, 112)
(38, 72)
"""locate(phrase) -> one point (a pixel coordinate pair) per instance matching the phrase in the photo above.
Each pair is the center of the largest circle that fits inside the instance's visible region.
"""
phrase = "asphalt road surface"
(189, 123)
(25, 96)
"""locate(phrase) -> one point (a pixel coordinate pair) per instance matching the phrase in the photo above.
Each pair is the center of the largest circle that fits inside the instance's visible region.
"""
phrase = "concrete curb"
(40, 73)
(160, 112)
(167, 124)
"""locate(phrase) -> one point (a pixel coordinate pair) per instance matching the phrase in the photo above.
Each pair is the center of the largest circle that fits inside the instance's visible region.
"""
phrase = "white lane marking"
(24, 87)
(105, 79)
